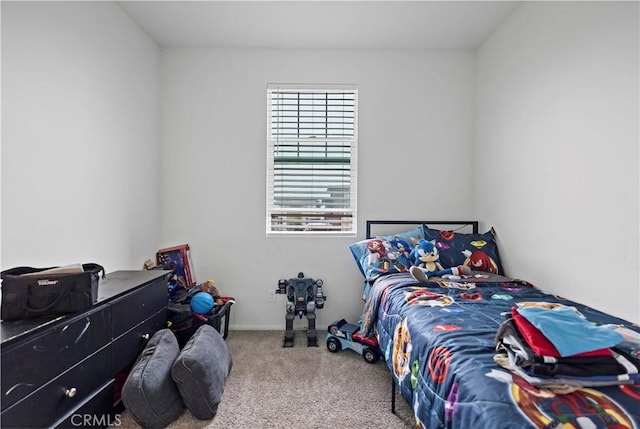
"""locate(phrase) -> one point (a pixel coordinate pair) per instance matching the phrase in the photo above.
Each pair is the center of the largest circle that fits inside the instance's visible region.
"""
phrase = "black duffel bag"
(33, 292)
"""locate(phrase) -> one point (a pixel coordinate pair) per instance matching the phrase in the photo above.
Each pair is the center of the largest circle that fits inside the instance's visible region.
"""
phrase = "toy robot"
(303, 297)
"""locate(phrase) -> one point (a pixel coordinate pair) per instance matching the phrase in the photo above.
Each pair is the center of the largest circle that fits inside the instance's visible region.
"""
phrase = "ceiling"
(320, 24)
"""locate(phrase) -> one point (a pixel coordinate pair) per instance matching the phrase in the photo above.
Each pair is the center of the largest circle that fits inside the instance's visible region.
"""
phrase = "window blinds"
(311, 174)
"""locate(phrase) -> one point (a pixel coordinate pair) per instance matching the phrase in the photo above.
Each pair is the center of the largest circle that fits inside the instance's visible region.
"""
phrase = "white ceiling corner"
(319, 24)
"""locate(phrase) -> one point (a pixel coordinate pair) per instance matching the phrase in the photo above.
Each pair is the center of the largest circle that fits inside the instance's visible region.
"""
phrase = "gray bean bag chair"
(149, 392)
(200, 371)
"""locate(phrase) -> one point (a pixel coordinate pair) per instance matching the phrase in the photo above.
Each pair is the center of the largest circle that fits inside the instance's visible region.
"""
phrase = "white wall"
(86, 97)
(80, 160)
(414, 162)
(556, 149)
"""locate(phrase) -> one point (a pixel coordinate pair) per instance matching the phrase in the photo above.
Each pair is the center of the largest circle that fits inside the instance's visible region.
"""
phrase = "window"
(311, 159)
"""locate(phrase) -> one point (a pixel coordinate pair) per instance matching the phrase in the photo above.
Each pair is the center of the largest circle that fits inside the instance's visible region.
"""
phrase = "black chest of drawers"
(66, 371)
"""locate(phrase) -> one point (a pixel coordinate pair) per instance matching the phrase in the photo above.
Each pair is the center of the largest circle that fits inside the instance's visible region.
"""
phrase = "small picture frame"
(178, 258)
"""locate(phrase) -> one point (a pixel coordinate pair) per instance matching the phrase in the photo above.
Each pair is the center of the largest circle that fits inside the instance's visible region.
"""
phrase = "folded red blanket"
(540, 344)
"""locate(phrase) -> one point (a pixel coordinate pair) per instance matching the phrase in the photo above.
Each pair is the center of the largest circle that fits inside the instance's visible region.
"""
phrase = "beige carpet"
(298, 388)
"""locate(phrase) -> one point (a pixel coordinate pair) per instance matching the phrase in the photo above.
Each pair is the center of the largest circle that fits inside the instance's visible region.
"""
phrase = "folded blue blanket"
(569, 332)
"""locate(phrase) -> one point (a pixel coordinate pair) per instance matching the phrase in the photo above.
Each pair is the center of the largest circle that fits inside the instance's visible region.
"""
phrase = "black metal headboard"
(458, 223)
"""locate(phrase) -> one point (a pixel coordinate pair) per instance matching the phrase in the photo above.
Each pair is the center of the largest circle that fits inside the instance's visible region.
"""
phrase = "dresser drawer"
(127, 347)
(91, 414)
(29, 365)
(139, 305)
(52, 402)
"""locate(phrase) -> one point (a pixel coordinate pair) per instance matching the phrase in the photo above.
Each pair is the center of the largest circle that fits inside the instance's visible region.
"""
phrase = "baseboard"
(235, 327)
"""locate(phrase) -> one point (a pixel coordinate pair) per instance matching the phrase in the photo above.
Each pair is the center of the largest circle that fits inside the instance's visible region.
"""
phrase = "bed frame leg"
(393, 395)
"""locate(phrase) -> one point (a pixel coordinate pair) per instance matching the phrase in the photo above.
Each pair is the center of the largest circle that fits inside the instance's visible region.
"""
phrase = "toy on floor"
(343, 335)
(304, 295)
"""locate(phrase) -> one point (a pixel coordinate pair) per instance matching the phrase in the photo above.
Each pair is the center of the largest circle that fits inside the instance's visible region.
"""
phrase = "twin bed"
(440, 339)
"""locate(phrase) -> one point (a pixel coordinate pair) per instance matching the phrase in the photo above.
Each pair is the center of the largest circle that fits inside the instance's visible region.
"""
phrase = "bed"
(454, 355)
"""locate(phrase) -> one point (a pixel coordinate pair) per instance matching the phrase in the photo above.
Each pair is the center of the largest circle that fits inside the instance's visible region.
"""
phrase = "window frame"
(345, 218)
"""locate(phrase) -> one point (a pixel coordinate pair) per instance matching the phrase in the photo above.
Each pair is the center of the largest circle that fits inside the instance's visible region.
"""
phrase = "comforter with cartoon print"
(439, 341)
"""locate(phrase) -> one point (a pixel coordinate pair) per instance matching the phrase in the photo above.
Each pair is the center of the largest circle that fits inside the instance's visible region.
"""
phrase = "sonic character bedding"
(482, 350)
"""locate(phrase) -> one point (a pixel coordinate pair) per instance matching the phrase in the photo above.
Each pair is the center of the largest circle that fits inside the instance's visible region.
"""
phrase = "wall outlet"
(272, 296)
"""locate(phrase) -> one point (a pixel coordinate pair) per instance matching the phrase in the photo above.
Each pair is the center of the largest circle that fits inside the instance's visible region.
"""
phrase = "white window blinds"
(311, 159)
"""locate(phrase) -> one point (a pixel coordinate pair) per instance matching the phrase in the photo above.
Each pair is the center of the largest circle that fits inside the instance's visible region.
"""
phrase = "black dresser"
(67, 371)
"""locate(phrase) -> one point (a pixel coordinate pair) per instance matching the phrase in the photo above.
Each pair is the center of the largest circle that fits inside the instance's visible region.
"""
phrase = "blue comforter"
(439, 341)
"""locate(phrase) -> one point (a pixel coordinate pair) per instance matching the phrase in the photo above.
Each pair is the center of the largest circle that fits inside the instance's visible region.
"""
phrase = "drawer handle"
(146, 336)
(70, 393)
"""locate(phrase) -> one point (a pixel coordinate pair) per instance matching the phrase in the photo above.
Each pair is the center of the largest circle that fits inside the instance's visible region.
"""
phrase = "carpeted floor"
(299, 387)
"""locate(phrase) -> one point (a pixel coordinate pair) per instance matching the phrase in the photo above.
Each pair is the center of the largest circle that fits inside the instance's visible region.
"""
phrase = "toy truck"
(344, 335)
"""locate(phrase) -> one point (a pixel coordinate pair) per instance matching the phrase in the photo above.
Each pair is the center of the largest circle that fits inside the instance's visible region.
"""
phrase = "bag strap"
(18, 271)
(88, 267)
(50, 306)
(94, 269)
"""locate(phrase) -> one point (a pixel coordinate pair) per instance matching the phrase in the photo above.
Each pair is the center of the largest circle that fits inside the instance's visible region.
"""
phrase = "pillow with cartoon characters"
(383, 255)
(477, 251)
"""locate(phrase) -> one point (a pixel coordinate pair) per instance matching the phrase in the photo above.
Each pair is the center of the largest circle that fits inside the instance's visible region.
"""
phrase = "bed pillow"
(149, 393)
(478, 251)
(201, 370)
(383, 255)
